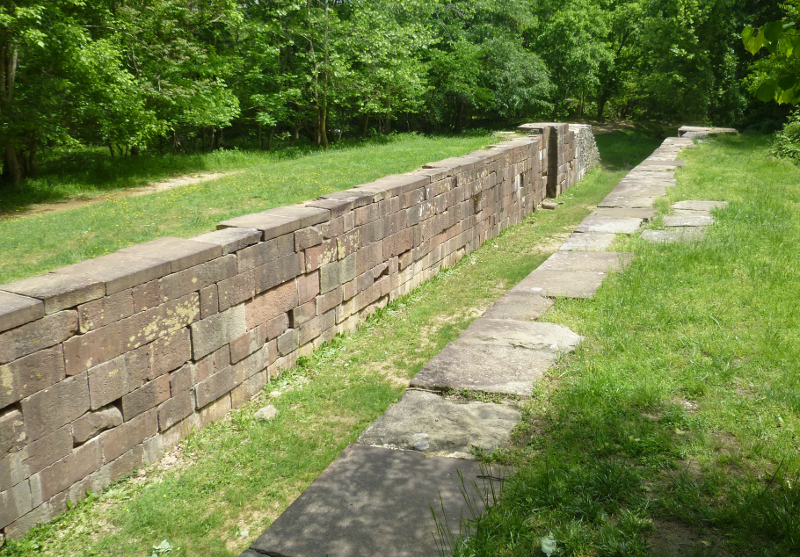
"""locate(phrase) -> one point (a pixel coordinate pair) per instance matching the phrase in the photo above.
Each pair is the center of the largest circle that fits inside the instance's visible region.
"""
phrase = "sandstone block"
(216, 386)
(175, 409)
(288, 342)
(277, 326)
(14, 503)
(329, 277)
(76, 466)
(195, 278)
(58, 291)
(236, 290)
(160, 321)
(271, 304)
(30, 374)
(211, 364)
(265, 252)
(398, 243)
(116, 442)
(146, 296)
(119, 271)
(124, 465)
(209, 301)
(214, 411)
(92, 423)
(279, 271)
(218, 330)
(181, 379)
(144, 398)
(16, 310)
(45, 451)
(12, 431)
(178, 252)
(307, 287)
(248, 343)
(38, 335)
(106, 310)
(231, 239)
(110, 381)
(329, 300)
(306, 238)
(270, 224)
(249, 389)
(55, 406)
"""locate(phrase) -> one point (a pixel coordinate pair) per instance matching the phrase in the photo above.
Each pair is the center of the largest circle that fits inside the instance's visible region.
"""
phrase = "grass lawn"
(36, 244)
(229, 481)
(678, 419)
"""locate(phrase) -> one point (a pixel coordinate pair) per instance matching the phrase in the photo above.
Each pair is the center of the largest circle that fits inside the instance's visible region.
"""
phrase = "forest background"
(172, 76)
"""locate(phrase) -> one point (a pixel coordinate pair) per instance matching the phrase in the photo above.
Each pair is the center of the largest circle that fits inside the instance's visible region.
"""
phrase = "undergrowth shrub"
(787, 141)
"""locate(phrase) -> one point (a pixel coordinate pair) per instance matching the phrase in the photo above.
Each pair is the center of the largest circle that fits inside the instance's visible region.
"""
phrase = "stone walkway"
(377, 496)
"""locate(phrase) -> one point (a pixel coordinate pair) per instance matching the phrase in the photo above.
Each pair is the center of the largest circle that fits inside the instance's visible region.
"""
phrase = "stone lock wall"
(105, 363)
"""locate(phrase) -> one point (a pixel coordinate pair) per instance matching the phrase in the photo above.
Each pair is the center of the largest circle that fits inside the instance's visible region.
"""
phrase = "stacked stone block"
(107, 362)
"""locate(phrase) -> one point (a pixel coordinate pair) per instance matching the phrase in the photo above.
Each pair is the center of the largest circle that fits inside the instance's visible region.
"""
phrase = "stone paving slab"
(522, 306)
(588, 241)
(655, 162)
(626, 212)
(598, 223)
(569, 284)
(550, 337)
(688, 220)
(373, 501)
(586, 261)
(673, 235)
(428, 423)
(484, 368)
(620, 201)
(691, 205)
(640, 189)
(692, 213)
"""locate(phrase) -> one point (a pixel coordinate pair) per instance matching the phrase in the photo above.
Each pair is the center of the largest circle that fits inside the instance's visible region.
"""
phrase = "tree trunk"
(12, 173)
(135, 151)
(366, 127)
(601, 106)
(260, 145)
(33, 149)
(459, 127)
(269, 139)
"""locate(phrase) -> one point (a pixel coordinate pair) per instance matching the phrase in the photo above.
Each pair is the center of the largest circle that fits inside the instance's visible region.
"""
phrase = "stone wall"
(107, 362)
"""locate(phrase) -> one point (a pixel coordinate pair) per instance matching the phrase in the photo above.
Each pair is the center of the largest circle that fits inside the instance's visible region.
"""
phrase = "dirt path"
(153, 187)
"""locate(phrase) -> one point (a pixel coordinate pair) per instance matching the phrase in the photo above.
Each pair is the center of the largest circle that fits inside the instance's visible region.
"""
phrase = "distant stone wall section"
(105, 363)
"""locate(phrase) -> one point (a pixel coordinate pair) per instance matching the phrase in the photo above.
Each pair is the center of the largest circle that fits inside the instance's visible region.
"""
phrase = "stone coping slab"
(586, 261)
(550, 337)
(521, 306)
(626, 212)
(484, 368)
(688, 220)
(692, 205)
(374, 501)
(702, 131)
(16, 310)
(616, 225)
(567, 284)
(588, 241)
(59, 291)
(673, 235)
(428, 423)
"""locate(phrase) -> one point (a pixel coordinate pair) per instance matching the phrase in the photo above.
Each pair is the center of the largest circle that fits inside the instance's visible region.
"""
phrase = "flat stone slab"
(626, 212)
(656, 162)
(690, 205)
(428, 423)
(550, 337)
(688, 220)
(588, 241)
(374, 501)
(586, 261)
(673, 235)
(698, 131)
(619, 201)
(598, 223)
(484, 368)
(568, 284)
(521, 306)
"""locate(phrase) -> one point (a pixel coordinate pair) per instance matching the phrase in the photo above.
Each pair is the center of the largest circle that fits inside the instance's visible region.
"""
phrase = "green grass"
(36, 244)
(237, 475)
(673, 429)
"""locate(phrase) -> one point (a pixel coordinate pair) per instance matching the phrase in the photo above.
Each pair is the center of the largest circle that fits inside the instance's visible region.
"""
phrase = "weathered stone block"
(16, 310)
(119, 271)
(236, 290)
(170, 352)
(329, 300)
(270, 224)
(277, 326)
(38, 335)
(270, 304)
(211, 364)
(116, 442)
(178, 252)
(30, 374)
(301, 314)
(248, 343)
(279, 271)
(14, 503)
(92, 423)
(45, 451)
(265, 252)
(288, 342)
(197, 277)
(209, 301)
(160, 321)
(398, 243)
(219, 384)
(76, 466)
(106, 310)
(306, 238)
(307, 287)
(175, 409)
(124, 465)
(146, 296)
(218, 330)
(55, 406)
(12, 431)
(214, 411)
(110, 381)
(231, 239)
(368, 257)
(329, 277)
(249, 389)
(59, 291)
(182, 379)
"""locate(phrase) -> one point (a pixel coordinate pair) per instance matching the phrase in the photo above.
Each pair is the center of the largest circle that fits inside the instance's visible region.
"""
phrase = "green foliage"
(787, 141)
